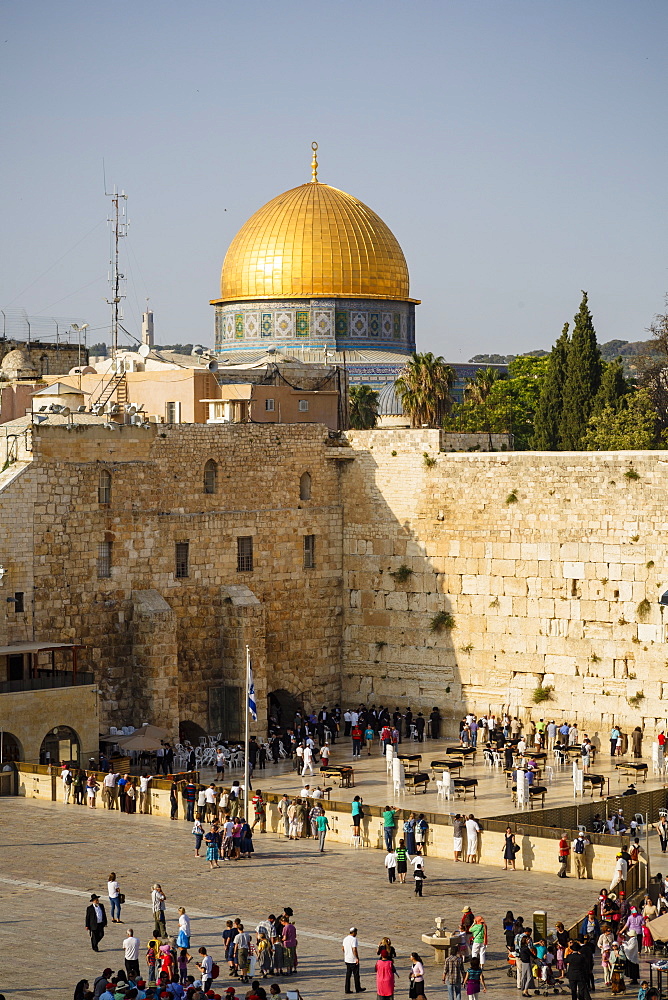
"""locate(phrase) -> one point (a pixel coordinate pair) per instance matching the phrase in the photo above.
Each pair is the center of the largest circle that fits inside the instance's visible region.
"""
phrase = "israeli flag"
(252, 707)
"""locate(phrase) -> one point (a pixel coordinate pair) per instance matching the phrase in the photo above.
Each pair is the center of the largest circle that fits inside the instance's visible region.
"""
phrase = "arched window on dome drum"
(210, 476)
(305, 486)
(104, 486)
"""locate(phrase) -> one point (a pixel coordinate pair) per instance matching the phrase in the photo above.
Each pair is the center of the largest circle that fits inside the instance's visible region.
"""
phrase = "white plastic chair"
(549, 774)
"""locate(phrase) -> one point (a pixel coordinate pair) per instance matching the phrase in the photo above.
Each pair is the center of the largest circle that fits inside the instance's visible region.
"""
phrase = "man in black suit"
(96, 921)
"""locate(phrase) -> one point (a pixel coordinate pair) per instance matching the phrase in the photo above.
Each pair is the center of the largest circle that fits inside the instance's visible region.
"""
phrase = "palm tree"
(424, 388)
(362, 407)
(478, 389)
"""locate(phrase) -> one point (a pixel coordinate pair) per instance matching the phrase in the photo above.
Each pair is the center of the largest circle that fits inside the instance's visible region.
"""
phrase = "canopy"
(139, 741)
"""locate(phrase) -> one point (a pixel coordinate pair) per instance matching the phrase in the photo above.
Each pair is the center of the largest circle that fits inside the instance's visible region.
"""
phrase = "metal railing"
(56, 679)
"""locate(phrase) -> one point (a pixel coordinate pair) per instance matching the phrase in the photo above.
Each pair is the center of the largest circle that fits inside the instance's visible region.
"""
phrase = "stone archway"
(281, 708)
(60, 744)
(190, 732)
(10, 748)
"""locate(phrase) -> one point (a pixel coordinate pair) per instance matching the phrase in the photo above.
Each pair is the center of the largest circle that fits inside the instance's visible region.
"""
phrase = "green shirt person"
(322, 825)
(389, 824)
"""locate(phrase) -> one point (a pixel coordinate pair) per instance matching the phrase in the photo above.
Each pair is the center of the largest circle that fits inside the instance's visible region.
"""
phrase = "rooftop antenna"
(120, 225)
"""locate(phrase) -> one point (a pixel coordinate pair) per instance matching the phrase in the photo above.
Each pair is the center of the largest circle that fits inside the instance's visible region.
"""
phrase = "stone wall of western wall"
(155, 662)
(545, 561)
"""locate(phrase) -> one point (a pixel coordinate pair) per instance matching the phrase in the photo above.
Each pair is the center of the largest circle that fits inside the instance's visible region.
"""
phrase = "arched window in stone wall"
(104, 486)
(44, 364)
(210, 476)
(305, 486)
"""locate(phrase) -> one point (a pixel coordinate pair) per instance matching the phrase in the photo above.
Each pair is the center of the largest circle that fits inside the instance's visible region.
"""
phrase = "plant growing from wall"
(594, 658)
(442, 621)
(622, 621)
(494, 603)
(402, 574)
(380, 645)
(468, 648)
(631, 474)
(511, 498)
(393, 454)
(650, 564)
(542, 694)
(636, 699)
(428, 461)
(644, 609)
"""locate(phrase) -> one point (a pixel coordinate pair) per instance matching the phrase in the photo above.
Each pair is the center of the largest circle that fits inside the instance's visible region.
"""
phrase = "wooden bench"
(535, 792)
(594, 781)
(345, 774)
(446, 765)
(466, 753)
(417, 779)
(410, 760)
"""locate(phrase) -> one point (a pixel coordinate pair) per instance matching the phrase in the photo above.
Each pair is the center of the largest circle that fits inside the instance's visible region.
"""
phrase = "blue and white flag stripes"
(252, 707)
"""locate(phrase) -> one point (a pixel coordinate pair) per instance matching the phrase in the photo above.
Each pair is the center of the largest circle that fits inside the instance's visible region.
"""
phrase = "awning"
(37, 647)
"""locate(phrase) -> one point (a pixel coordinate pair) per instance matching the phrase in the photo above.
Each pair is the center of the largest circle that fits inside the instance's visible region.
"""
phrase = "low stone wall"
(479, 441)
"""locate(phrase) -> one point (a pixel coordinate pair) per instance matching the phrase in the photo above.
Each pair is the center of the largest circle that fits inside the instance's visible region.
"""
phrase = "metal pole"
(246, 732)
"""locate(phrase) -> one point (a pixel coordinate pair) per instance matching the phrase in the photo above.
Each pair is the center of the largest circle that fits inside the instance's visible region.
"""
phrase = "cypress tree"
(548, 412)
(583, 379)
(613, 387)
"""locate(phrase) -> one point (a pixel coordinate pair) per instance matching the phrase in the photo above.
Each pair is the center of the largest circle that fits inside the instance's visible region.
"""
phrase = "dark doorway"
(15, 667)
(281, 708)
(61, 744)
(225, 715)
(10, 748)
(190, 732)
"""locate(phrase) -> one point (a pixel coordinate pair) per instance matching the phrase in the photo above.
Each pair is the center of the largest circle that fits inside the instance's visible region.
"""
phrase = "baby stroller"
(548, 984)
(512, 965)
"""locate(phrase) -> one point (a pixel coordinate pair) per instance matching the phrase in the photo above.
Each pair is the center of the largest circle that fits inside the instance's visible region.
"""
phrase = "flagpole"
(246, 733)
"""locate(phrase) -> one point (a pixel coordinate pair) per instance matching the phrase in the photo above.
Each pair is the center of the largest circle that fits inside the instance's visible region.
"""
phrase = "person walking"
(190, 796)
(322, 826)
(183, 938)
(385, 975)
(350, 948)
(114, 893)
(416, 976)
(472, 831)
(131, 953)
(418, 873)
(453, 973)
(391, 866)
(389, 826)
(96, 921)
(205, 967)
(356, 734)
(409, 833)
(474, 978)
(158, 903)
(479, 936)
(198, 833)
(308, 760)
(577, 973)
(402, 861)
(174, 800)
(526, 954)
(259, 811)
(662, 830)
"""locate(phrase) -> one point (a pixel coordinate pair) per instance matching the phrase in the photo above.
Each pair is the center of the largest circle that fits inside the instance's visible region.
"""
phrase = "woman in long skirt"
(212, 847)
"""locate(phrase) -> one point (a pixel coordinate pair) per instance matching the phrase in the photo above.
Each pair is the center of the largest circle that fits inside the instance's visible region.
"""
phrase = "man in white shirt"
(354, 718)
(391, 865)
(305, 792)
(347, 717)
(66, 775)
(351, 958)
(110, 789)
(210, 797)
(317, 793)
(551, 735)
(158, 903)
(472, 831)
(308, 759)
(131, 951)
(201, 805)
(144, 794)
(205, 967)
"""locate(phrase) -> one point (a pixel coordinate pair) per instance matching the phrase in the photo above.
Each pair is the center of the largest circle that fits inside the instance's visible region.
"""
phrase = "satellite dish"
(65, 411)
(212, 366)
(197, 350)
(144, 350)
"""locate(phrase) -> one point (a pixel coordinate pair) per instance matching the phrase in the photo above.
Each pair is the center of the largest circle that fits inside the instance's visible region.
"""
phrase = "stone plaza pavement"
(53, 856)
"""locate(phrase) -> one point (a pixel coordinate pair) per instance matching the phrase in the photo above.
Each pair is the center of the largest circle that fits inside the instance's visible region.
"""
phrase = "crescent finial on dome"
(314, 163)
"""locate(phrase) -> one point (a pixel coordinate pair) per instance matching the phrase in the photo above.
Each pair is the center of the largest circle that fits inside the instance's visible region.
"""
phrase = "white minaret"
(147, 328)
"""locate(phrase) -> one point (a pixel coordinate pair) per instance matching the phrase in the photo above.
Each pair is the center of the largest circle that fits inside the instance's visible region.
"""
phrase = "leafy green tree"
(613, 386)
(362, 407)
(652, 366)
(583, 379)
(424, 387)
(547, 424)
(98, 350)
(631, 425)
(478, 388)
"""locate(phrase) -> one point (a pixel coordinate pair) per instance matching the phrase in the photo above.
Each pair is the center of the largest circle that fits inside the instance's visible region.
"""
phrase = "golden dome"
(314, 242)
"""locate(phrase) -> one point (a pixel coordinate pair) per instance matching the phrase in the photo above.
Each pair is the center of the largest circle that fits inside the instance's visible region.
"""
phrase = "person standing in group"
(526, 954)
(577, 973)
(402, 861)
(158, 902)
(289, 941)
(322, 826)
(190, 796)
(458, 836)
(67, 779)
(479, 935)
(198, 833)
(358, 815)
(174, 800)
(205, 966)
(579, 849)
(131, 953)
(409, 833)
(356, 734)
(421, 834)
(351, 958)
(369, 734)
(283, 810)
(662, 830)
(472, 831)
(453, 973)
(92, 788)
(416, 976)
(259, 812)
(96, 921)
(615, 737)
(212, 839)
(114, 892)
(391, 866)
(385, 975)
(183, 938)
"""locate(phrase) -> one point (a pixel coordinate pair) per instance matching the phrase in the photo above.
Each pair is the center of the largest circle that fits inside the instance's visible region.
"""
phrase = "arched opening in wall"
(10, 748)
(281, 708)
(190, 732)
(210, 476)
(305, 486)
(104, 486)
(60, 744)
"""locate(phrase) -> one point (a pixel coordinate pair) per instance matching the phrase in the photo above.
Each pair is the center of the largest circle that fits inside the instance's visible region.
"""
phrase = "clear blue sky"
(517, 149)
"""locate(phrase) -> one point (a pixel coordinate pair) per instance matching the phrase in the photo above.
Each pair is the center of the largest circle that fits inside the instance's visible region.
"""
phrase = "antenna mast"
(116, 278)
